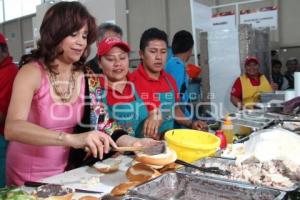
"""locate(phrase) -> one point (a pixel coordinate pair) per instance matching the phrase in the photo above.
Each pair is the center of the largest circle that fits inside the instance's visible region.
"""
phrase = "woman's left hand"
(199, 125)
(145, 142)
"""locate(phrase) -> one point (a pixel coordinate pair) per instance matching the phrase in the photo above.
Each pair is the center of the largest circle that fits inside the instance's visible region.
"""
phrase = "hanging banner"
(261, 19)
(223, 22)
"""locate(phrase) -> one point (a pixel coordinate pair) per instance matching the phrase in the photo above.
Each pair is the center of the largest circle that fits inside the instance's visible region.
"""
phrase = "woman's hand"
(274, 86)
(199, 125)
(97, 142)
(145, 142)
(151, 125)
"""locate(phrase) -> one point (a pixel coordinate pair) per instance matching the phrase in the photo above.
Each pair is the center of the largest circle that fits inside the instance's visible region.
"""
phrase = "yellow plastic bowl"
(191, 145)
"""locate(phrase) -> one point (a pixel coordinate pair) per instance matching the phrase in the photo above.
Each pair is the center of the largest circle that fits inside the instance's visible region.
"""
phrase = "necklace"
(65, 95)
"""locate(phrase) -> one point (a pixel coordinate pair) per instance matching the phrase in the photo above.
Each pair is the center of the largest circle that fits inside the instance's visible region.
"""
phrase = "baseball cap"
(251, 59)
(2, 39)
(109, 42)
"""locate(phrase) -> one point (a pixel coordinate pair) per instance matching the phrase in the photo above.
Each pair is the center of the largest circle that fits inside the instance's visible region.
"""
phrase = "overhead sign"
(261, 19)
(223, 22)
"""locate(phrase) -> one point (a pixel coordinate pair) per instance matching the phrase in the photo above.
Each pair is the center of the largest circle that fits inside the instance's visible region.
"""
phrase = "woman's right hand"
(97, 142)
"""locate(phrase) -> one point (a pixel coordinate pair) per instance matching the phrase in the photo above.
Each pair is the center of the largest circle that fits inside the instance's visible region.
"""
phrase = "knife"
(37, 184)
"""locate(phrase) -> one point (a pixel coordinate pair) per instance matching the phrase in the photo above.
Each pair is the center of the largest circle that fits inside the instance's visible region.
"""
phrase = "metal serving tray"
(290, 125)
(223, 163)
(183, 186)
(256, 122)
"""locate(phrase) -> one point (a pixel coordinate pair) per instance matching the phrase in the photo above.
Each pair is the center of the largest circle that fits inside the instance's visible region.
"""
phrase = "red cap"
(2, 39)
(251, 60)
(107, 43)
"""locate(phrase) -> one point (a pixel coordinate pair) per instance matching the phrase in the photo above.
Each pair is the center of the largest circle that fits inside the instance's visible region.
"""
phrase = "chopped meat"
(275, 173)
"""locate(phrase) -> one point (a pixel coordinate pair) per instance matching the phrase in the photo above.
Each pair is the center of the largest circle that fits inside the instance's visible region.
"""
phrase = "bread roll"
(162, 159)
(141, 172)
(157, 167)
(122, 188)
(109, 165)
(53, 192)
(168, 168)
(89, 198)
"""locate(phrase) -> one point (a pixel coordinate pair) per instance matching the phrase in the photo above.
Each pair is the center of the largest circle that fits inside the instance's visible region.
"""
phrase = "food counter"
(88, 178)
(186, 183)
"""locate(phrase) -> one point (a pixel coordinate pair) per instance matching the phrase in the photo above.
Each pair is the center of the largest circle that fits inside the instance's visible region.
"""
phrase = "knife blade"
(37, 184)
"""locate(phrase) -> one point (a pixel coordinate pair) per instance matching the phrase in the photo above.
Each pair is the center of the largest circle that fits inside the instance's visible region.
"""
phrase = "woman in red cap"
(113, 105)
(8, 71)
(247, 88)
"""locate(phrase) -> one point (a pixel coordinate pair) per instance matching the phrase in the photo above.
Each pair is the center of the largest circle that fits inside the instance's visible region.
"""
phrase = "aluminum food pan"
(256, 123)
(132, 197)
(292, 125)
(223, 163)
(183, 186)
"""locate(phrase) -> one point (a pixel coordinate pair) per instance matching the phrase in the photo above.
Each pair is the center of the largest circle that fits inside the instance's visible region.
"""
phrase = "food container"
(223, 164)
(193, 70)
(291, 125)
(191, 145)
(177, 185)
(266, 97)
(212, 128)
(128, 197)
(251, 119)
(270, 107)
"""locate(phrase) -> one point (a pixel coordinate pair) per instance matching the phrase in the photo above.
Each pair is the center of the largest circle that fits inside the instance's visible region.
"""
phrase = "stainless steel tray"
(132, 197)
(180, 185)
(291, 125)
(256, 122)
(224, 163)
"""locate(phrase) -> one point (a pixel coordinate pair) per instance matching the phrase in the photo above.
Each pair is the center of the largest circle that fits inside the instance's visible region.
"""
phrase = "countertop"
(88, 178)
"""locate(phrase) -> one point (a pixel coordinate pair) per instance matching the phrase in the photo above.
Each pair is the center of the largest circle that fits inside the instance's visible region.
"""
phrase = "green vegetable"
(13, 193)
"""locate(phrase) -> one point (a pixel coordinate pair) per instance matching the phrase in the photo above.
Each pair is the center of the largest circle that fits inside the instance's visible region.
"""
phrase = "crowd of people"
(58, 104)
(247, 88)
(284, 81)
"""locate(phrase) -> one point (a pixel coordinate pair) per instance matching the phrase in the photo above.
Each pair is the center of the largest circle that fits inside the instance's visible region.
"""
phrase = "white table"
(79, 178)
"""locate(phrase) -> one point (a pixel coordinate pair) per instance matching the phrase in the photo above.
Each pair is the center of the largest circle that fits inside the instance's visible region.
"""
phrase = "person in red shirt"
(8, 71)
(247, 88)
(112, 104)
(157, 88)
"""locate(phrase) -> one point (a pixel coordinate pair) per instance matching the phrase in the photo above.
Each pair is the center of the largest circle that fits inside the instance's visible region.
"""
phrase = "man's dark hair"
(104, 27)
(182, 42)
(152, 34)
(276, 62)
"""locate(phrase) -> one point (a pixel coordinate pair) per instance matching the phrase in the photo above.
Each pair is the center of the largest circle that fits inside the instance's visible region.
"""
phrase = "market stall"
(262, 165)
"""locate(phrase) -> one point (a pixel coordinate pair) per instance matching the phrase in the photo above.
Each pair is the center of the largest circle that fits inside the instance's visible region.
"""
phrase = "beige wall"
(179, 17)
(208, 2)
(102, 10)
(289, 20)
(144, 14)
(169, 15)
(17, 31)
(12, 32)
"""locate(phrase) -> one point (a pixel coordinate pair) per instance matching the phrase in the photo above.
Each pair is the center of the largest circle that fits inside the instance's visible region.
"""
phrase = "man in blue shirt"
(182, 47)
